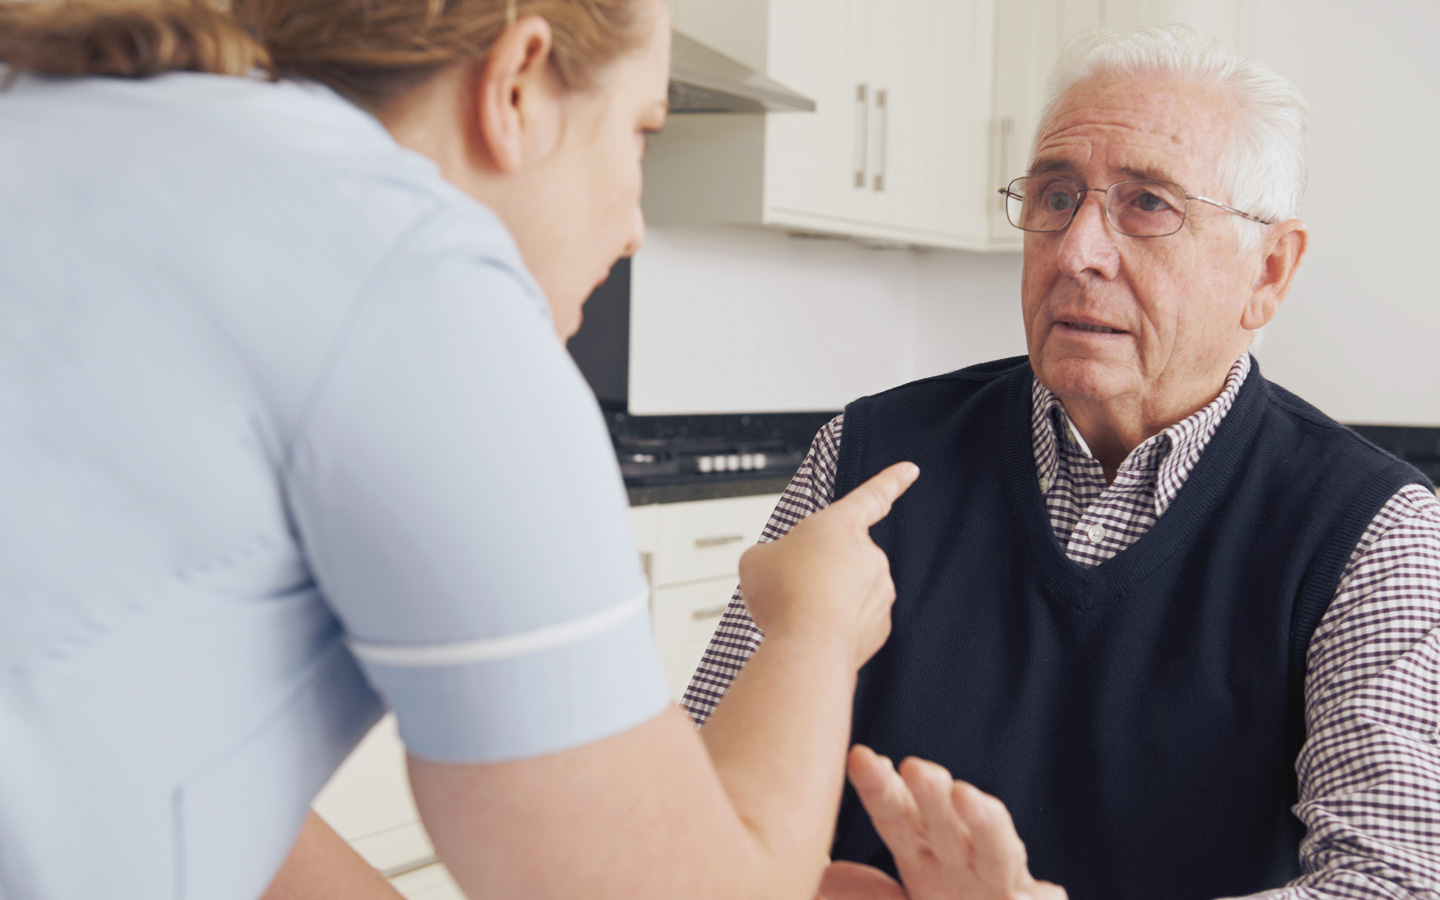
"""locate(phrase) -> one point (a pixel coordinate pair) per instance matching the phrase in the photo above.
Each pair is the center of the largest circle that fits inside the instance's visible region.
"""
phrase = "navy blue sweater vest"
(1140, 719)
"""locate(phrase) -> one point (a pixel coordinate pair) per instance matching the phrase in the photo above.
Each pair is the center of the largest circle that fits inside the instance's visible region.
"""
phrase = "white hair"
(1263, 169)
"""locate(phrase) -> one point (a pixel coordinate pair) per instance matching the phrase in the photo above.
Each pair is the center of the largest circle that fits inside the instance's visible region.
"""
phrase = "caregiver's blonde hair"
(369, 50)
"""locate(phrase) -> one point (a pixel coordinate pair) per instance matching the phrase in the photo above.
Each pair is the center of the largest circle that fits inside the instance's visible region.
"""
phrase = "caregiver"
(287, 438)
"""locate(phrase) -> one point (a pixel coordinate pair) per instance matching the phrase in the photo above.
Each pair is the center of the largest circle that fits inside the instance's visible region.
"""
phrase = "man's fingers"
(886, 798)
(945, 833)
(999, 854)
(1044, 890)
(871, 501)
(852, 881)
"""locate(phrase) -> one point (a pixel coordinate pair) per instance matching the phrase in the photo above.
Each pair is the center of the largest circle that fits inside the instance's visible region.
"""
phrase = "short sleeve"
(454, 487)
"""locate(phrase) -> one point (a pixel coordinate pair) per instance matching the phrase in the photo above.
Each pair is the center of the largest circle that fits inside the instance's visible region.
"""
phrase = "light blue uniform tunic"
(286, 438)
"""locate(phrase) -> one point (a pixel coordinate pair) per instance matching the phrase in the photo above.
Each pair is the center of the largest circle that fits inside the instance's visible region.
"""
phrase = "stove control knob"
(705, 464)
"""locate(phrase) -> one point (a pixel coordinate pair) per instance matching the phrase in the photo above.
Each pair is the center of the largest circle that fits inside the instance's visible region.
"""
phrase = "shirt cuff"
(523, 695)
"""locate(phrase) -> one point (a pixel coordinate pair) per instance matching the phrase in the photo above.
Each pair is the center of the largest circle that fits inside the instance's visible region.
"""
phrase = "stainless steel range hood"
(703, 80)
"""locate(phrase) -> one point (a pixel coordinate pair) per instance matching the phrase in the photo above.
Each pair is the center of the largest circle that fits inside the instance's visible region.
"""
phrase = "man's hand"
(852, 881)
(826, 577)
(950, 841)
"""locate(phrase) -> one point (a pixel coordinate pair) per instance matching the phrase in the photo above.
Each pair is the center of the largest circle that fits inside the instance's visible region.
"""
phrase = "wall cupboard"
(890, 151)
(924, 109)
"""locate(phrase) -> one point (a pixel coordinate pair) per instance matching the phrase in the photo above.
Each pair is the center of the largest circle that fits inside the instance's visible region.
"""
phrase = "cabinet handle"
(709, 612)
(719, 540)
(862, 133)
(882, 110)
(1007, 137)
(413, 865)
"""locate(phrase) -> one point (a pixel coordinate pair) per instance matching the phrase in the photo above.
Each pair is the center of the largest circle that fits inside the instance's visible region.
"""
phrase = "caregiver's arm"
(322, 865)
(456, 493)
(641, 815)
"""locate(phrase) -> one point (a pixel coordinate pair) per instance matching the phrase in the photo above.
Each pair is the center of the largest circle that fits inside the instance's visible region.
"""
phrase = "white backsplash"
(743, 320)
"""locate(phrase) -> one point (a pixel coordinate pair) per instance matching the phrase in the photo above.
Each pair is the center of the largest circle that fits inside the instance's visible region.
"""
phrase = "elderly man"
(1180, 622)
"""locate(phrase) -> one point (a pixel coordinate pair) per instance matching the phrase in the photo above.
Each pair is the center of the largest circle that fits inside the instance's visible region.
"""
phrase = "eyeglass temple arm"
(1230, 209)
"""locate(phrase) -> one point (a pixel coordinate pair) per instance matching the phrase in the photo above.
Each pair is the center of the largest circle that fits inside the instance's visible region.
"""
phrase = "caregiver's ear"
(516, 97)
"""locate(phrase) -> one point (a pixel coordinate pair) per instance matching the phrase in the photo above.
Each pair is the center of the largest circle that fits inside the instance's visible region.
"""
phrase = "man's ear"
(1282, 250)
(514, 101)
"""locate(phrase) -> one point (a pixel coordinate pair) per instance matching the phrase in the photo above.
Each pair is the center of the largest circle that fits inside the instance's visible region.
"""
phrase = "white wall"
(1358, 335)
(746, 320)
(967, 310)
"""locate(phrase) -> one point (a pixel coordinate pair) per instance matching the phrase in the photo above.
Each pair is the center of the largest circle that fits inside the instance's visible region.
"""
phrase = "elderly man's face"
(1171, 306)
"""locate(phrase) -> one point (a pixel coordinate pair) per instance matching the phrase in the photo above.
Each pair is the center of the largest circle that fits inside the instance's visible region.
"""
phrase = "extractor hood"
(703, 80)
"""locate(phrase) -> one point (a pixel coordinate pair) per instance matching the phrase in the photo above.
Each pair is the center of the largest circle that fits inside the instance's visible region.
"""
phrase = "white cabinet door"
(685, 618)
(896, 151)
(962, 48)
(906, 131)
(898, 190)
(694, 573)
(816, 163)
(704, 539)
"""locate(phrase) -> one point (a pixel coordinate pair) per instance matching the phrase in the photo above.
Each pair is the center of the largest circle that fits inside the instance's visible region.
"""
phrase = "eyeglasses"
(1046, 203)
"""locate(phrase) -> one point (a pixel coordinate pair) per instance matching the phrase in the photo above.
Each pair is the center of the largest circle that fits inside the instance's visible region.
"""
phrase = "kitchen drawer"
(432, 882)
(645, 520)
(685, 617)
(368, 802)
(704, 539)
(401, 849)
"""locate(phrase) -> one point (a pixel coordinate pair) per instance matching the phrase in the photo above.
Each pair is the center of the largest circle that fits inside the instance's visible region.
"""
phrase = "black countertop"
(784, 437)
(704, 489)
(1420, 446)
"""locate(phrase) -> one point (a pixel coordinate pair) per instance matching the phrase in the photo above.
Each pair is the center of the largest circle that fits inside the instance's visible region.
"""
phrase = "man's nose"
(1088, 244)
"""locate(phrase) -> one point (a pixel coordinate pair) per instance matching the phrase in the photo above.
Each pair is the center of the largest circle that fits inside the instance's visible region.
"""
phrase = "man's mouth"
(1098, 329)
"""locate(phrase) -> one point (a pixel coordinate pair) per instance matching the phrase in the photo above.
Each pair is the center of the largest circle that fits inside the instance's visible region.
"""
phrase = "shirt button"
(1096, 533)
(1044, 485)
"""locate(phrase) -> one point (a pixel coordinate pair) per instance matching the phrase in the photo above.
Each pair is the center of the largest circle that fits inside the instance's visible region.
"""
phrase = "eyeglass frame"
(1007, 193)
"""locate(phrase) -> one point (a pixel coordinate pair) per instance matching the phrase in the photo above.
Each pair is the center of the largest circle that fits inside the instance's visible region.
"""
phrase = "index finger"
(871, 501)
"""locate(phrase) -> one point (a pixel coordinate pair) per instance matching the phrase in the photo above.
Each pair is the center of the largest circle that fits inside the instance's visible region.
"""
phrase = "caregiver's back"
(287, 437)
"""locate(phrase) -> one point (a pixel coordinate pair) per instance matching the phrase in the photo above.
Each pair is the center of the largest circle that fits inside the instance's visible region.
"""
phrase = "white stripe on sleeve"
(504, 647)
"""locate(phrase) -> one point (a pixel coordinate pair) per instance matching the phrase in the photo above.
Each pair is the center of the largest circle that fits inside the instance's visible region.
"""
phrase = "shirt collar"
(1168, 457)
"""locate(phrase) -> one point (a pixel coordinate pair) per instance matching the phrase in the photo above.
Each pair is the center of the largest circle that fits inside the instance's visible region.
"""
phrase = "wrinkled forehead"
(1136, 128)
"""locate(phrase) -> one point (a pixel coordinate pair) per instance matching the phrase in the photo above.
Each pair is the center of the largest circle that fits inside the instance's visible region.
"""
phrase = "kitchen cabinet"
(432, 882)
(693, 573)
(690, 553)
(896, 150)
(924, 108)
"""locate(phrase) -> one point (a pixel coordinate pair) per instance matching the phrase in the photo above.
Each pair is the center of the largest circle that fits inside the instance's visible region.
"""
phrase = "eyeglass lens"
(1136, 208)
